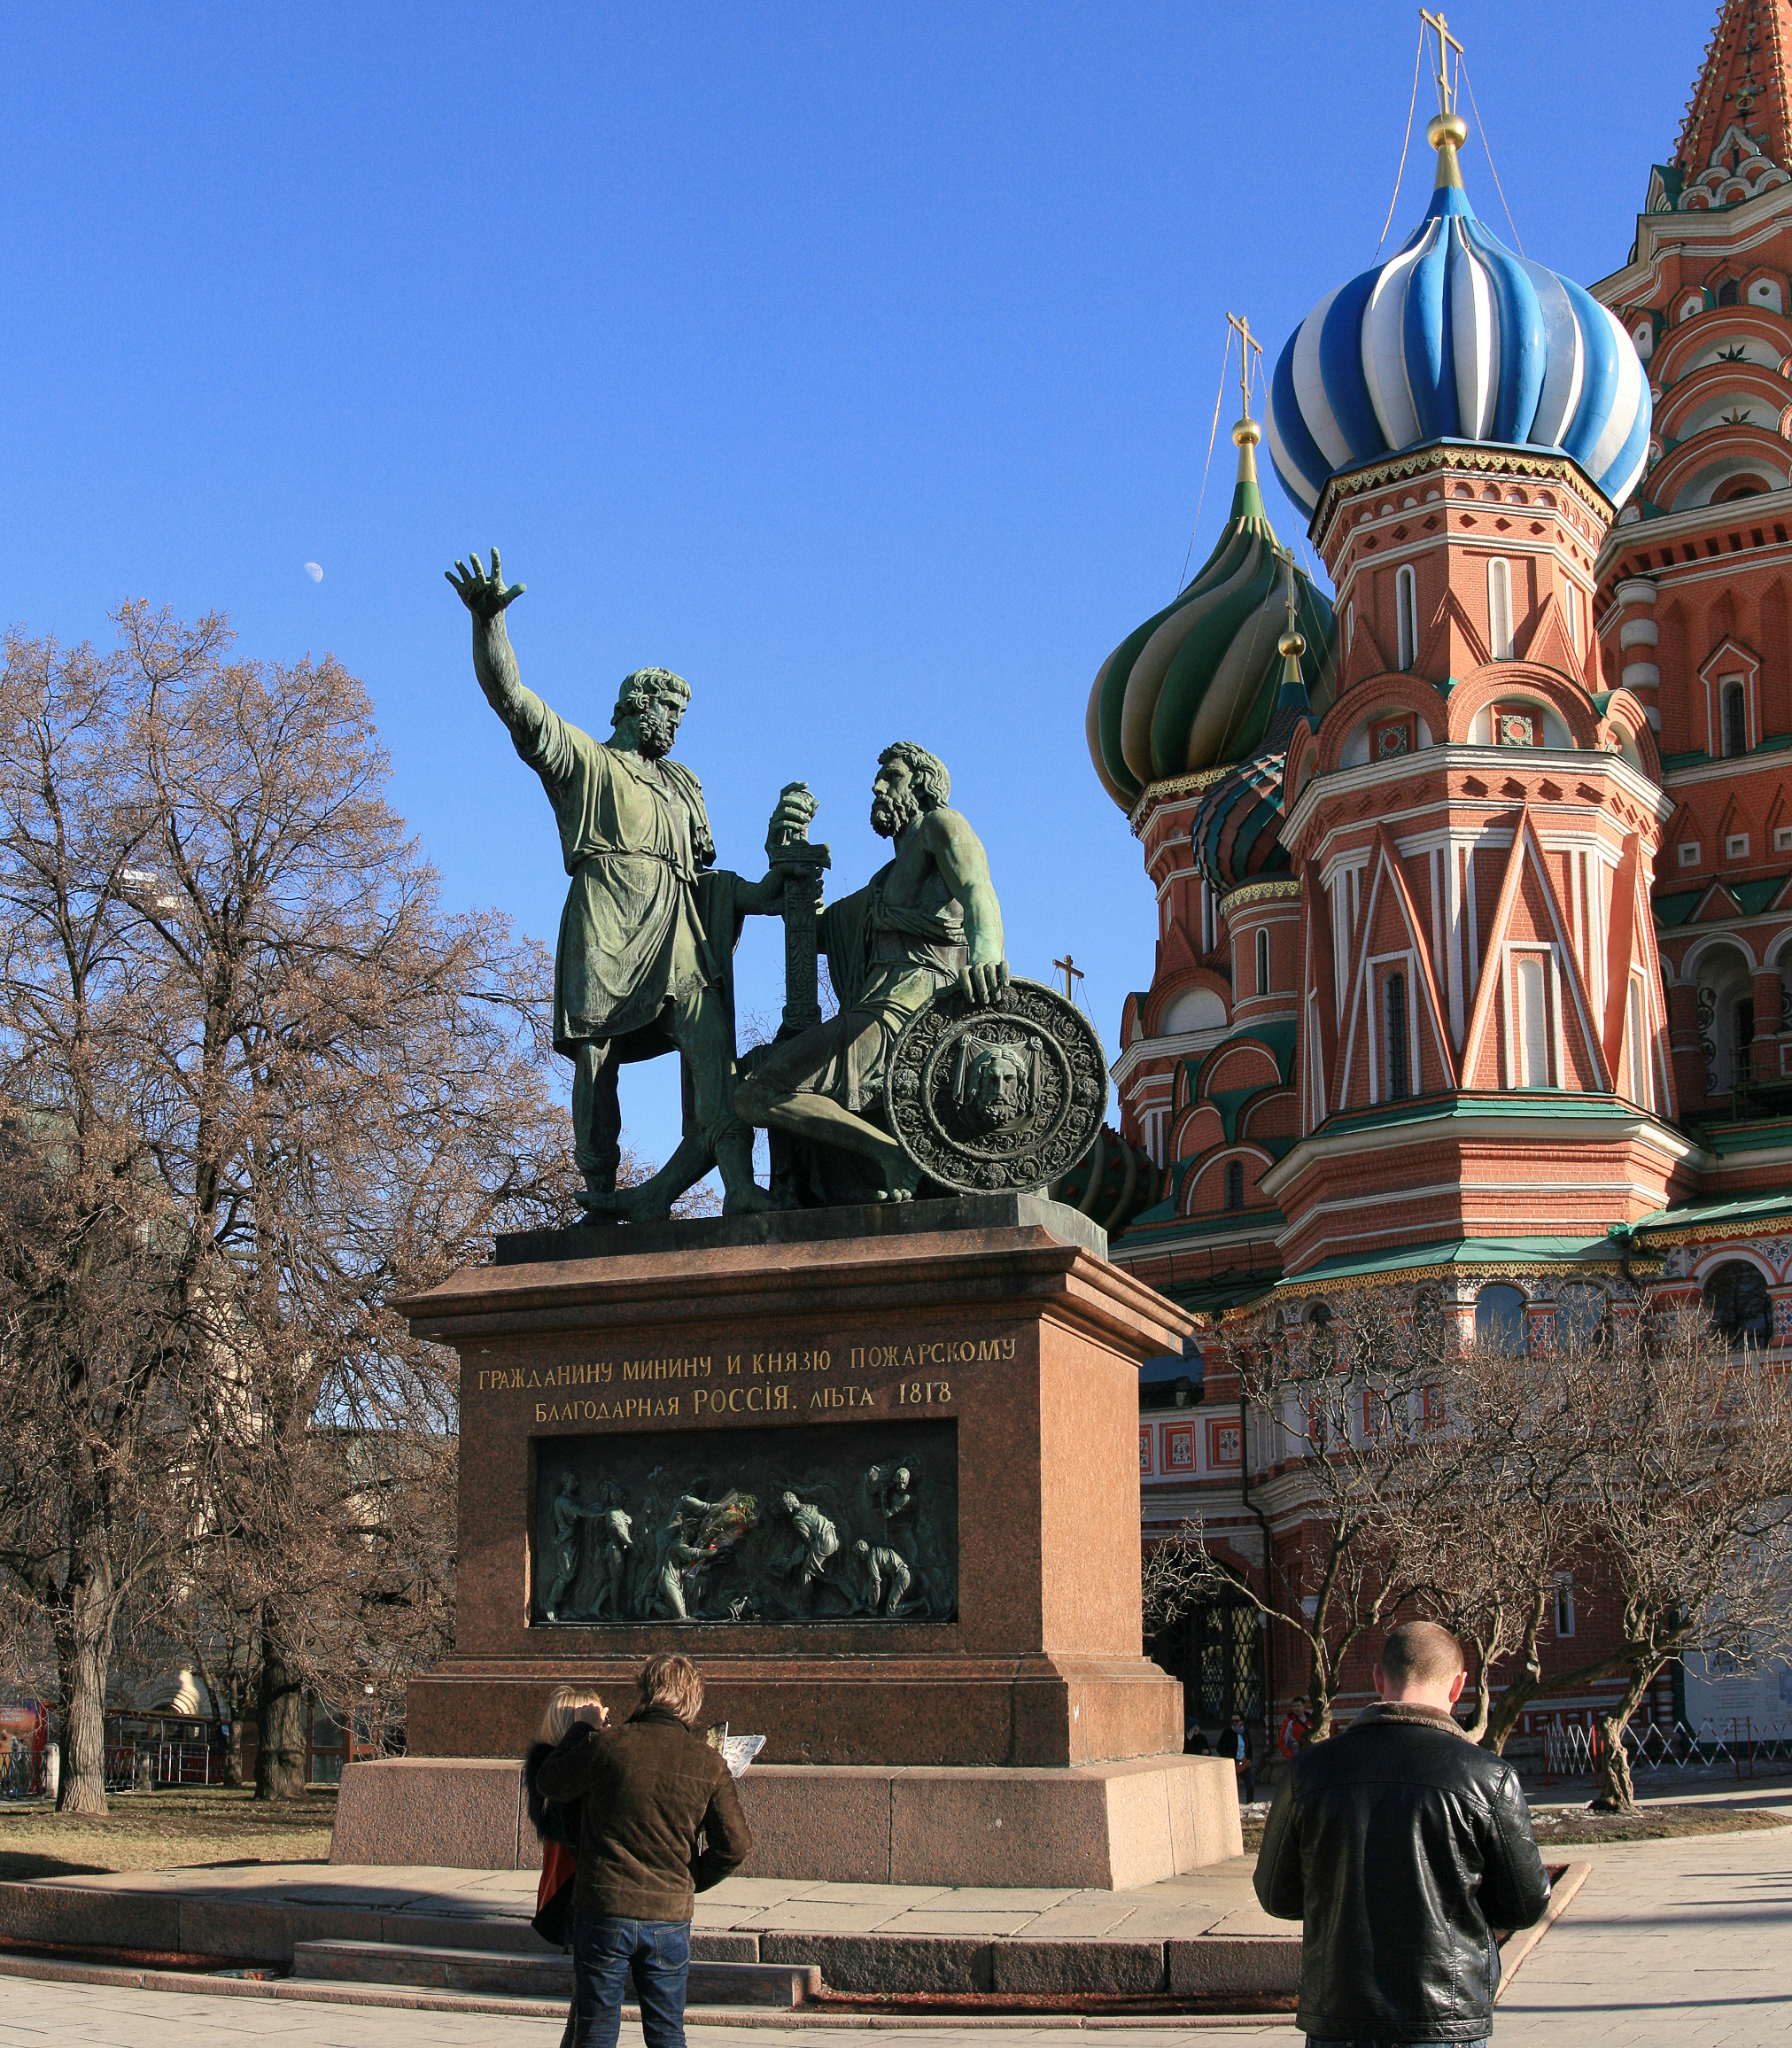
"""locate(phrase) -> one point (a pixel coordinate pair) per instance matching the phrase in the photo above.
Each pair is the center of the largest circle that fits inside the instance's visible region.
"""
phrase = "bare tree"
(1690, 1487)
(1352, 1437)
(348, 1093)
(270, 1083)
(1486, 1545)
(91, 1330)
(1638, 1449)
(1174, 1572)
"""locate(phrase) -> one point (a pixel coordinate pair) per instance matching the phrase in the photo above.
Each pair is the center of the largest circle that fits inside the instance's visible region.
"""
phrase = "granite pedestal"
(985, 1352)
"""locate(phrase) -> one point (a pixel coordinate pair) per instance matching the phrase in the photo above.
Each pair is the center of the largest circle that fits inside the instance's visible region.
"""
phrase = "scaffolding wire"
(1406, 143)
(1462, 72)
(1212, 434)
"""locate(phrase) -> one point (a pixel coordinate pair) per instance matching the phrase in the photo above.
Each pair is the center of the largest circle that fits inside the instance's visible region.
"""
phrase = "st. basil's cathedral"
(1474, 876)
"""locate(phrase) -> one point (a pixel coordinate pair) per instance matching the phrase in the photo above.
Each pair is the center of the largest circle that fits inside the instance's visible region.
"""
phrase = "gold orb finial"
(1291, 643)
(1247, 433)
(1446, 127)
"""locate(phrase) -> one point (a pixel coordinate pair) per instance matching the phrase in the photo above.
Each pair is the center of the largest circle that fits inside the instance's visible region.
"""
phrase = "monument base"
(848, 1708)
(1104, 1827)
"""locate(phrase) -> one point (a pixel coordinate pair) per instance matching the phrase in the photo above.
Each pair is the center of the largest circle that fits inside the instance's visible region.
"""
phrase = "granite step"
(508, 1974)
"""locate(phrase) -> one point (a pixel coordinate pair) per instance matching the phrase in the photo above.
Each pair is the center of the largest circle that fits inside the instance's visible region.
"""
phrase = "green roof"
(1743, 1210)
(1672, 910)
(1462, 1251)
(1756, 896)
(1560, 1105)
(1215, 1297)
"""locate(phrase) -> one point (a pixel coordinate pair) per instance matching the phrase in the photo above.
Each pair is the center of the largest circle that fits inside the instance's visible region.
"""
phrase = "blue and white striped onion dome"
(1457, 339)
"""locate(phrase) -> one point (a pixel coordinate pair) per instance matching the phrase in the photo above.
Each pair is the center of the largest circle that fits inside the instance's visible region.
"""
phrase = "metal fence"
(161, 1750)
(1574, 1748)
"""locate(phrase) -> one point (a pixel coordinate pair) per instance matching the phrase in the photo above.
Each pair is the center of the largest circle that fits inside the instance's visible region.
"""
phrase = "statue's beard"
(892, 816)
(655, 732)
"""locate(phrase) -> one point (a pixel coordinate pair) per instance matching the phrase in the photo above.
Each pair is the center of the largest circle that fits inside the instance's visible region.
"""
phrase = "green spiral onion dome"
(1197, 685)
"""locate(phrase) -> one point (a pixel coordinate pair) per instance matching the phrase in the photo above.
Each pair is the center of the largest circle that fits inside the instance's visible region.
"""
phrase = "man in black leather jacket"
(1400, 1846)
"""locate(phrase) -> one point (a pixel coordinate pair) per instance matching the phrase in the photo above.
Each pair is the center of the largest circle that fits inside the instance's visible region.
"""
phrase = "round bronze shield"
(1000, 1096)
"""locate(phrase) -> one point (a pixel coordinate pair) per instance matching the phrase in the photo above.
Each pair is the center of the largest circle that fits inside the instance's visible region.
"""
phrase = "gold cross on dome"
(1072, 974)
(1242, 322)
(1446, 98)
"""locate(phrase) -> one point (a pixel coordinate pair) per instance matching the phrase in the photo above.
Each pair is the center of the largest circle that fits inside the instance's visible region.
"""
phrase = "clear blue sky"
(857, 363)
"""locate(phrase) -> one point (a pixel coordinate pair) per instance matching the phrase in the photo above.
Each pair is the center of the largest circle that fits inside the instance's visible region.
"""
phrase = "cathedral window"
(1735, 716)
(1499, 608)
(1499, 1317)
(1727, 293)
(1398, 1075)
(1736, 1300)
(1235, 1183)
(1571, 606)
(1564, 1604)
(1406, 601)
(1529, 1019)
(1262, 961)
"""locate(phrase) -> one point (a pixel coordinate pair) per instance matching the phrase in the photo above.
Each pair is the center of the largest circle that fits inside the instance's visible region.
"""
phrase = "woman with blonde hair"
(556, 1821)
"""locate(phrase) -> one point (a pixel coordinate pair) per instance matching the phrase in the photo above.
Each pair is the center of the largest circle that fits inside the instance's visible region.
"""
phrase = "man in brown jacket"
(651, 1787)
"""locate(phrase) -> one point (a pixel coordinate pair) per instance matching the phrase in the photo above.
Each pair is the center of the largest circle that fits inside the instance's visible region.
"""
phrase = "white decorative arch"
(1697, 951)
(1725, 1254)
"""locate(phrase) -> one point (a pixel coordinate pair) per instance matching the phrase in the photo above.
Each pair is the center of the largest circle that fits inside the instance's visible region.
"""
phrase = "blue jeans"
(606, 1953)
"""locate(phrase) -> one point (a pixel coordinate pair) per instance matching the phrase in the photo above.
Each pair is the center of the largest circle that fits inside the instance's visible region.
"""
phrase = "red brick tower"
(1483, 950)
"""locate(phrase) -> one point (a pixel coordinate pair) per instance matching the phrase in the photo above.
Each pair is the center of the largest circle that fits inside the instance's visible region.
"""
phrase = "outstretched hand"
(484, 596)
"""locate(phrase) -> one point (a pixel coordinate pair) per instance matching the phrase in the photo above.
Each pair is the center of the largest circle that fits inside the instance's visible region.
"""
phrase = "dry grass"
(1552, 1824)
(1564, 1825)
(164, 1831)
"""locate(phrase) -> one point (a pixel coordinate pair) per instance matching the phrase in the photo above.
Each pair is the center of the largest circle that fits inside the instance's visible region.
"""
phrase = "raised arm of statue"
(965, 868)
(533, 726)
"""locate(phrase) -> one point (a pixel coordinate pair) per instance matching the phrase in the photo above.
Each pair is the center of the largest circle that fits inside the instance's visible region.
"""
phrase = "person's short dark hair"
(1421, 1651)
(933, 784)
(671, 1680)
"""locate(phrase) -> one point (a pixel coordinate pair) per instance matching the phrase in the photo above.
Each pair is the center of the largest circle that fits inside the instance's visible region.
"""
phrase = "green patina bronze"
(643, 965)
(934, 1072)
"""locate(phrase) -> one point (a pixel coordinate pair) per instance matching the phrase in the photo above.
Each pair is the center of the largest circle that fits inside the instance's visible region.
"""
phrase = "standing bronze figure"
(643, 963)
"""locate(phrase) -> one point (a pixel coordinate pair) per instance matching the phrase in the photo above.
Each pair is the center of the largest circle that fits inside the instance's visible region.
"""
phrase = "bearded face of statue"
(895, 808)
(998, 1086)
(657, 714)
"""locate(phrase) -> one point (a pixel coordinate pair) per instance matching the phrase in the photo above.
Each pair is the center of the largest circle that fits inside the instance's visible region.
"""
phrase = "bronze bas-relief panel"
(752, 1525)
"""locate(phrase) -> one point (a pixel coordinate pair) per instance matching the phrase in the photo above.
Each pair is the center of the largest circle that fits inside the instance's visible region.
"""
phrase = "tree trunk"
(233, 1741)
(280, 1751)
(1517, 1695)
(1616, 1793)
(84, 1650)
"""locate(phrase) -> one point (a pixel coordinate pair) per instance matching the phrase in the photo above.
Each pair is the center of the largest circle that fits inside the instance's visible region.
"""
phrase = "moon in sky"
(315, 570)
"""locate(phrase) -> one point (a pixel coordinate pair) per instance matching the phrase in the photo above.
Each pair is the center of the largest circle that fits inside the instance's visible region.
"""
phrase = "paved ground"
(1671, 1944)
(1218, 1899)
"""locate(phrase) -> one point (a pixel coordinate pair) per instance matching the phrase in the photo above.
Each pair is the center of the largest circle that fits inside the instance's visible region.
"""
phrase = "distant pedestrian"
(1400, 1846)
(1195, 1741)
(1238, 1749)
(555, 1822)
(650, 1787)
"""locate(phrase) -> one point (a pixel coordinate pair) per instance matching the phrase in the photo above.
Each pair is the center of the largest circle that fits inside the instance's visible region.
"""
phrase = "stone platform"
(876, 1471)
(1112, 1826)
(1202, 1935)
